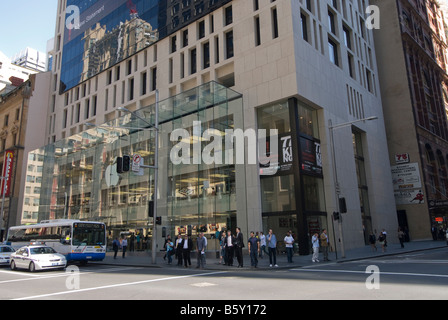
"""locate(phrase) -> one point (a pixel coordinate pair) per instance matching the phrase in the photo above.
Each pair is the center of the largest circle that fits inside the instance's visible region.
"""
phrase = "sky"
(26, 23)
(31, 23)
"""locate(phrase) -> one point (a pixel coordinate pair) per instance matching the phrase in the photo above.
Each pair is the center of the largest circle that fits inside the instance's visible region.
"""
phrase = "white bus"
(77, 240)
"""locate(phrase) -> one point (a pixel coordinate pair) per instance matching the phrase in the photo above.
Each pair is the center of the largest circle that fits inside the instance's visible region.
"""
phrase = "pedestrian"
(222, 249)
(229, 243)
(315, 242)
(262, 244)
(324, 243)
(187, 246)
(382, 241)
(132, 243)
(254, 248)
(271, 240)
(124, 245)
(115, 247)
(170, 251)
(239, 247)
(289, 243)
(434, 232)
(384, 233)
(178, 249)
(167, 240)
(401, 237)
(372, 241)
(201, 247)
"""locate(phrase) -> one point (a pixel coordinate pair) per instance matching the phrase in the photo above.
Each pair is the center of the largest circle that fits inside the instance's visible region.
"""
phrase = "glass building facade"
(101, 33)
(293, 198)
(78, 176)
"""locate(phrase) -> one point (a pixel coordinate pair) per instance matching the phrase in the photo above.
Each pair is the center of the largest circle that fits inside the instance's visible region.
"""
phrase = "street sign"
(136, 161)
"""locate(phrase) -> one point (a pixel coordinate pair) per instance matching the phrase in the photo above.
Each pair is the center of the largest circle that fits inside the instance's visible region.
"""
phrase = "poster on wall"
(283, 157)
(406, 177)
(409, 197)
(310, 156)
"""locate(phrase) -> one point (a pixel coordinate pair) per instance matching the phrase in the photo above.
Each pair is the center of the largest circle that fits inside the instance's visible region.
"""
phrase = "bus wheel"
(32, 267)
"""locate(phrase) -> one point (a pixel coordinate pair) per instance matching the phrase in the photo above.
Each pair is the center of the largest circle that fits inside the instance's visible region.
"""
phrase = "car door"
(22, 258)
(18, 257)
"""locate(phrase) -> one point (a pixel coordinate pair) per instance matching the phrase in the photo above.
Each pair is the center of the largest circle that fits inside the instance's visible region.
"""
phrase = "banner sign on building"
(406, 176)
(6, 172)
(283, 156)
(310, 156)
(407, 184)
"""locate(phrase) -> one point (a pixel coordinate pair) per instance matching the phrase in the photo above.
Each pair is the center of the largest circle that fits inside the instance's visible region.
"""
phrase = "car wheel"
(32, 267)
(13, 265)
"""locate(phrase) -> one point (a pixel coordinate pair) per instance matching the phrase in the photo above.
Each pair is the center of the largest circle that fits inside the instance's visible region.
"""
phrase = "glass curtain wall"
(80, 179)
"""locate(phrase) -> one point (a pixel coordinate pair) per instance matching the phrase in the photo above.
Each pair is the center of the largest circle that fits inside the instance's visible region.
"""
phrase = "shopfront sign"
(6, 173)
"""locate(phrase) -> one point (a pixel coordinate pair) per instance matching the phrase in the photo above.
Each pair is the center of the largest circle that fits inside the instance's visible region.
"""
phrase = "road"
(422, 275)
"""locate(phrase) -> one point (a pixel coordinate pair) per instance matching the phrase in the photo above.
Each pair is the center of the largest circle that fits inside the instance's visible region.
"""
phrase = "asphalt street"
(407, 276)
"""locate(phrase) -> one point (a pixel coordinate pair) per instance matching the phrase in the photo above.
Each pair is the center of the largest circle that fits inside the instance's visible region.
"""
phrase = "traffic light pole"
(156, 181)
(337, 189)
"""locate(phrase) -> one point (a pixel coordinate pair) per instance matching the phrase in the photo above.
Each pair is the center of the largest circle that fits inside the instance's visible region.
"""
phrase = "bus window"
(66, 235)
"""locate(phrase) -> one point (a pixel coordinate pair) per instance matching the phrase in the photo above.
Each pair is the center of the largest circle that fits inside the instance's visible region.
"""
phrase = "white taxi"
(37, 257)
(5, 254)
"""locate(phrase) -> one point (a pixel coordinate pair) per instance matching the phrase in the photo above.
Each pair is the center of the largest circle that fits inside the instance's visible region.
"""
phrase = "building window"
(206, 55)
(331, 22)
(257, 31)
(228, 16)
(347, 37)
(201, 30)
(304, 24)
(229, 45)
(193, 63)
(274, 23)
(333, 52)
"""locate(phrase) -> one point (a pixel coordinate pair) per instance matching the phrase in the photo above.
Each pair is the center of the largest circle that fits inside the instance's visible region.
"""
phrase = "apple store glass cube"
(77, 176)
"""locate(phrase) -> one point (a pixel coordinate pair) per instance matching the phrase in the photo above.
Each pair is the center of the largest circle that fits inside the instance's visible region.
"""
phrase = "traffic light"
(151, 209)
(342, 205)
(123, 164)
(126, 163)
(119, 165)
(159, 220)
(335, 216)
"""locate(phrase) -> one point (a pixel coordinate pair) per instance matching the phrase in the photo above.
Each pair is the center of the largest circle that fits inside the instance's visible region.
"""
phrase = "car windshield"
(42, 250)
(6, 249)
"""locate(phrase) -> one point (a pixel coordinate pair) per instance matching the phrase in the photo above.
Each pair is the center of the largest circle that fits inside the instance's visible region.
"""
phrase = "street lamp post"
(337, 189)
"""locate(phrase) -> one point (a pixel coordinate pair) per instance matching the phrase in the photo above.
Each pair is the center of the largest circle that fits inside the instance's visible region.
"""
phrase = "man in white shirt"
(124, 245)
(289, 241)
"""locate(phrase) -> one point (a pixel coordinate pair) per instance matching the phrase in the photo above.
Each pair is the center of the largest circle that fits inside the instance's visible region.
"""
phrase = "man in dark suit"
(187, 246)
(229, 243)
(239, 247)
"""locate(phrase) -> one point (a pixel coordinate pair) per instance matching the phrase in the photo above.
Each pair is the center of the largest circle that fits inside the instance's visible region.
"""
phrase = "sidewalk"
(143, 259)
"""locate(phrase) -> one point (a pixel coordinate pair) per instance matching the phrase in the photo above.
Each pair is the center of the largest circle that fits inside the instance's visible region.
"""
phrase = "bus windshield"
(88, 234)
